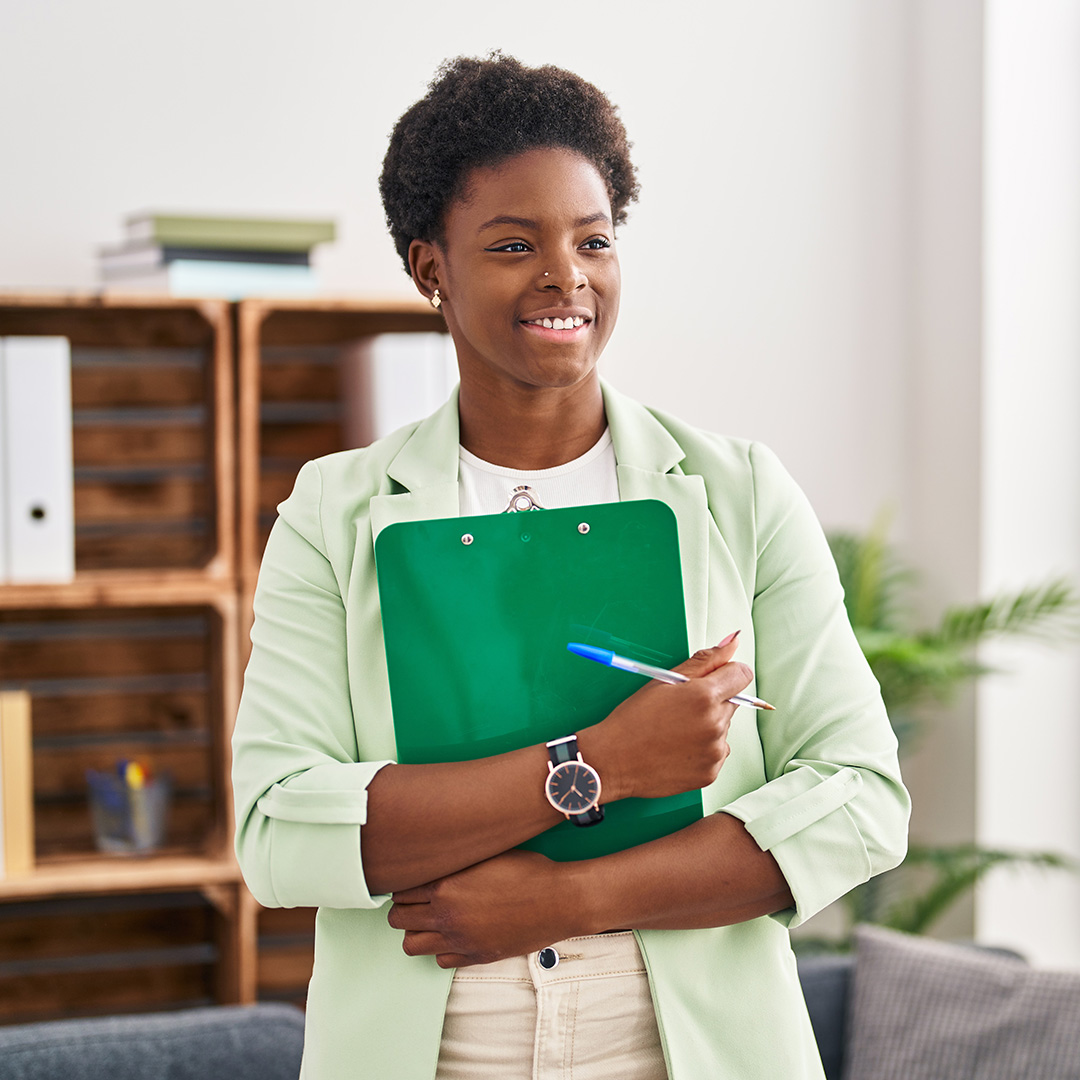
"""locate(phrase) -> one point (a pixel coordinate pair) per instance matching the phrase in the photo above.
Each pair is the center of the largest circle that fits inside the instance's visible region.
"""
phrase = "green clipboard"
(477, 613)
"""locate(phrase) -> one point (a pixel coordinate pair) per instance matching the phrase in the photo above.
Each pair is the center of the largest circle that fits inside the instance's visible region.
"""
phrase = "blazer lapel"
(426, 467)
(648, 457)
(648, 468)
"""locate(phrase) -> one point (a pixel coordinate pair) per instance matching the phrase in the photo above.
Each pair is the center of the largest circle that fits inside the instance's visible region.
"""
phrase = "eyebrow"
(528, 223)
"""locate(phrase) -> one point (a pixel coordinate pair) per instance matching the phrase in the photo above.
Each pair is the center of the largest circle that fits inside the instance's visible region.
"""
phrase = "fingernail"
(729, 639)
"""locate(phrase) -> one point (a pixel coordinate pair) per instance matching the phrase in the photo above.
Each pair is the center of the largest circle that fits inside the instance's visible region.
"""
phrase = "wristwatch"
(572, 787)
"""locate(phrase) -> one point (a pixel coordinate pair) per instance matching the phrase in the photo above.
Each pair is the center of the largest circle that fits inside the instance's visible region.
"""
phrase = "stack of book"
(228, 257)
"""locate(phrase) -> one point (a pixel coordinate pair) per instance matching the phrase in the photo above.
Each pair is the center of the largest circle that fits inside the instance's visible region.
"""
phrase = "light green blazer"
(816, 782)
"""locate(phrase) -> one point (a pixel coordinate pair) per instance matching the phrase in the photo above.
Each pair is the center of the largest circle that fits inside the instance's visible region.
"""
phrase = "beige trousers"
(590, 1017)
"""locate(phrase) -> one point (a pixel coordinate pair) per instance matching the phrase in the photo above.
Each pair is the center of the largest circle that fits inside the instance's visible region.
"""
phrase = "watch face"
(573, 787)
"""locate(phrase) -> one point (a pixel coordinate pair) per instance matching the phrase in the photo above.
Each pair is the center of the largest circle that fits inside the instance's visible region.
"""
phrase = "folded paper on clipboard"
(477, 613)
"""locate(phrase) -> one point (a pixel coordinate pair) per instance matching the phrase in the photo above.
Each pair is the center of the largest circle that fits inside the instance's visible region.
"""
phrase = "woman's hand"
(667, 739)
(505, 906)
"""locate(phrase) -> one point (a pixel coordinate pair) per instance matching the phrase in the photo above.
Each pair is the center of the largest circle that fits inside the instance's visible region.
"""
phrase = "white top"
(492, 489)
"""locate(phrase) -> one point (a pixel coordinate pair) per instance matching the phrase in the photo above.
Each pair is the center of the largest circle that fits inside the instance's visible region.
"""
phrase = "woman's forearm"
(426, 821)
(711, 873)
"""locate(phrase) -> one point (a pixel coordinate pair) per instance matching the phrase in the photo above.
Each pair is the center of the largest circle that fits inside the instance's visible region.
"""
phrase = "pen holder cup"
(128, 820)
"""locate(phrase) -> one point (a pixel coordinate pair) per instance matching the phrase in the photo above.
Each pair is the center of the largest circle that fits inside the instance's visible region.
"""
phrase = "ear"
(424, 263)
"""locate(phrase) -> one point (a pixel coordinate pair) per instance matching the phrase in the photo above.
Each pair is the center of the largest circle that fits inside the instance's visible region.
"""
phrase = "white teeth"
(569, 323)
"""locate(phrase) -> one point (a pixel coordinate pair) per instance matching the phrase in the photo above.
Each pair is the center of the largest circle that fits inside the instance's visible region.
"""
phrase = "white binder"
(390, 380)
(37, 460)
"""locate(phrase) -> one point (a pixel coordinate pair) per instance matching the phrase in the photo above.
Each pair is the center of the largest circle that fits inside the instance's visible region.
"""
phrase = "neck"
(530, 428)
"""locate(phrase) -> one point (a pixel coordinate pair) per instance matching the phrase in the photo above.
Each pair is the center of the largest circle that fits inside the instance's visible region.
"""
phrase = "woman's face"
(530, 242)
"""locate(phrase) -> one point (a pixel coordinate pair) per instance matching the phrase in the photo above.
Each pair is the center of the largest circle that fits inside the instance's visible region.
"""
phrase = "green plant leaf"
(1042, 611)
(918, 669)
(953, 871)
(871, 576)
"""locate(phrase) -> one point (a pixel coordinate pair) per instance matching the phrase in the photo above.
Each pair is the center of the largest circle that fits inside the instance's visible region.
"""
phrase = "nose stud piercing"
(545, 273)
(436, 299)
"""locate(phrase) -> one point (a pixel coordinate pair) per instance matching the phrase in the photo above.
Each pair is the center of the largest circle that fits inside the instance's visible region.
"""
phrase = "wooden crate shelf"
(152, 427)
(286, 953)
(293, 398)
(112, 952)
(150, 682)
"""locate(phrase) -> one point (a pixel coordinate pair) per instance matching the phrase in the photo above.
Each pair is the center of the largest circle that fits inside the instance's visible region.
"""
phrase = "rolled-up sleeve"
(300, 787)
(833, 811)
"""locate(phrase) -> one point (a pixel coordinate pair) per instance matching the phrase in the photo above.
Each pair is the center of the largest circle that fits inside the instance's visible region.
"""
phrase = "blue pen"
(624, 663)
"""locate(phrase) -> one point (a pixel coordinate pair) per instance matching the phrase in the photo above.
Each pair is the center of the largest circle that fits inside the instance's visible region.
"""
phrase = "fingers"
(733, 678)
(419, 894)
(409, 916)
(455, 960)
(707, 660)
(716, 664)
(433, 943)
(439, 946)
(425, 943)
(424, 933)
(424, 936)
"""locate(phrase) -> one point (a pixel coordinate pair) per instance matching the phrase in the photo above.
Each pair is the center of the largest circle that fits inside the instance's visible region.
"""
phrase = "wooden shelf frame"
(223, 698)
(321, 322)
(127, 321)
(110, 588)
(118, 874)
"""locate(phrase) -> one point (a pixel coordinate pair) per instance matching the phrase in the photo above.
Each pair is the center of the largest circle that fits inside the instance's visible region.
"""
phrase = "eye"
(515, 247)
(597, 243)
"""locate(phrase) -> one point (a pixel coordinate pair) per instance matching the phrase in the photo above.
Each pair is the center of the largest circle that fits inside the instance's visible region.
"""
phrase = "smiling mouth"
(571, 323)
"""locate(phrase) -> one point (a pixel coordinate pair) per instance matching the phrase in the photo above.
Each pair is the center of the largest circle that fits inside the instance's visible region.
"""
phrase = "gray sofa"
(912, 1008)
(259, 1042)
(826, 983)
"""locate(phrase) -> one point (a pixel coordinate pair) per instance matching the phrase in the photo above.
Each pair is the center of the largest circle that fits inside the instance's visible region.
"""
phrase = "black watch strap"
(561, 750)
(591, 816)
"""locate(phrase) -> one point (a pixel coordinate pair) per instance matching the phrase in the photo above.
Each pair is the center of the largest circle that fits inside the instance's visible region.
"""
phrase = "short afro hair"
(480, 112)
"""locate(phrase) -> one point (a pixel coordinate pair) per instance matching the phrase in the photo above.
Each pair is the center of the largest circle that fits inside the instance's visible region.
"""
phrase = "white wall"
(765, 266)
(941, 441)
(1029, 724)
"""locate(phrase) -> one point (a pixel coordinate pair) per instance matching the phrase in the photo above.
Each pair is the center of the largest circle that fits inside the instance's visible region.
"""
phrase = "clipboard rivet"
(583, 528)
(467, 539)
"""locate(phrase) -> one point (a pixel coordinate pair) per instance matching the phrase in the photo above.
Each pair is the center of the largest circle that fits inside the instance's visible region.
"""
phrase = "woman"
(436, 937)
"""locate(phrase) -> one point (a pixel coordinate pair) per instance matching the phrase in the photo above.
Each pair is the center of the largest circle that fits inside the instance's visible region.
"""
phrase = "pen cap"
(590, 652)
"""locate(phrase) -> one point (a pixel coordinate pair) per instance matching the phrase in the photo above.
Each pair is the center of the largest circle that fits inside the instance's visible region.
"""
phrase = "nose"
(565, 274)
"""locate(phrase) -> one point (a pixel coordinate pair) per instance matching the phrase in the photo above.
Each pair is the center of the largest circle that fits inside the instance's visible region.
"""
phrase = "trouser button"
(548, 958)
